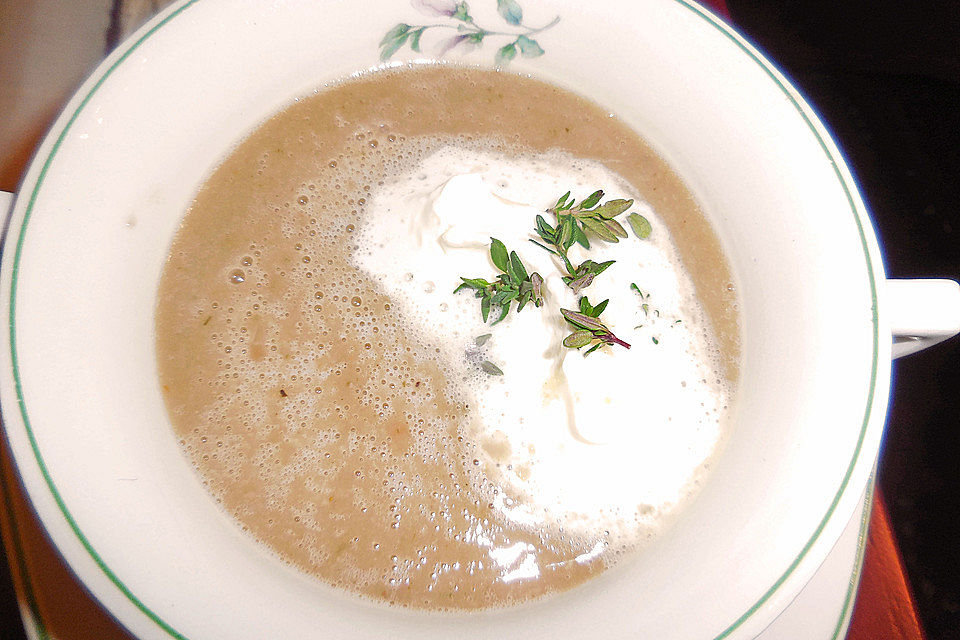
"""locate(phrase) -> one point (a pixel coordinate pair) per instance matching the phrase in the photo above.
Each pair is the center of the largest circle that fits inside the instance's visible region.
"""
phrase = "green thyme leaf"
(600, 334)
(523, 300)
(581, 238)
(566, 233)
(482, 340)
(504, 310)
(517, 268)
(545, 248)
(577, 339)
(473, 283)
(536, 281)
(490, 368)
(513, 284)
(614, 227)
(572, 222)
(581, 283)
(581, 320)
(498, 253)
(598, 229)
(640, 225)
(544, 230)
(612, 208)
(592, 199)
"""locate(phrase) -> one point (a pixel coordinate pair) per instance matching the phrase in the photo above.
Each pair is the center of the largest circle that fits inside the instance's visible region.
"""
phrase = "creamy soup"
(360, 419)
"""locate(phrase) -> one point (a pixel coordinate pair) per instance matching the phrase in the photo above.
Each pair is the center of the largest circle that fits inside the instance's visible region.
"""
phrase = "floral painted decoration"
(468, 34)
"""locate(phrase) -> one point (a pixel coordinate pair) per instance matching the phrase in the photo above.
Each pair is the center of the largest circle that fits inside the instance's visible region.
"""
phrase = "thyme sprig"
(573, 221)
(589, 329)
(513, 283)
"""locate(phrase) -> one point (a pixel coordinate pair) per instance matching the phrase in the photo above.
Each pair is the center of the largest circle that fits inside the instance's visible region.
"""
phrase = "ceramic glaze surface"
(83, 409)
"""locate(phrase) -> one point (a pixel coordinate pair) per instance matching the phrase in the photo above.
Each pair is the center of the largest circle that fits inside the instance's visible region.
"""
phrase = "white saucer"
(822, 610)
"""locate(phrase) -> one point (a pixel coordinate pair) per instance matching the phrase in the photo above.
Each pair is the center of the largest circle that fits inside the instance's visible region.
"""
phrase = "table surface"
(56, 603)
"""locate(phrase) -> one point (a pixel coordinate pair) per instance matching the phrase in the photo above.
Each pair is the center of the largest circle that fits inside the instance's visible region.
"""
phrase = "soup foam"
(605, 442)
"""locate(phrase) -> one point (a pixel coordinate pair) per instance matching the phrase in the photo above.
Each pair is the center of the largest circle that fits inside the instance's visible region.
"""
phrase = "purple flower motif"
(435, 7)
(470, 41)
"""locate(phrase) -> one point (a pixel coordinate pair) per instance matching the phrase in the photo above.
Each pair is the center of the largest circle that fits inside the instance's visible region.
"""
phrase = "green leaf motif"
(394, 33)
(393, 40)
(505, 54)
(463, 12)
(415, 39)
(529, 48)
(510, 11)
(468, 31)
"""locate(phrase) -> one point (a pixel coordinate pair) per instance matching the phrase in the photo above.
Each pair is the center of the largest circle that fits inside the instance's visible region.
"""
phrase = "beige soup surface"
(331, 431)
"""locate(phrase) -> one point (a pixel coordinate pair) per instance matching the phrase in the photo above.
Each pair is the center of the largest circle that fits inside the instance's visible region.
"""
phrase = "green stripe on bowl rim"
(791, 94)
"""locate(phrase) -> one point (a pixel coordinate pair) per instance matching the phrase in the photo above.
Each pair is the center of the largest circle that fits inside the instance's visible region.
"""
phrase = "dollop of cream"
(614, 440)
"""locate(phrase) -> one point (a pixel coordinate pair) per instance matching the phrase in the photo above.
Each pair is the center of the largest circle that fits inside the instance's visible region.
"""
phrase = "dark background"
(885, 78)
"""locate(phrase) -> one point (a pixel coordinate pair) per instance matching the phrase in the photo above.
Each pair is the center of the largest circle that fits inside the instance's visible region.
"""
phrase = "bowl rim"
(15, 234)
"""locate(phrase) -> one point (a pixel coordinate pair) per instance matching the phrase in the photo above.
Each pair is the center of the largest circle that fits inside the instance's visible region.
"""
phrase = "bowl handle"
(922, 313)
